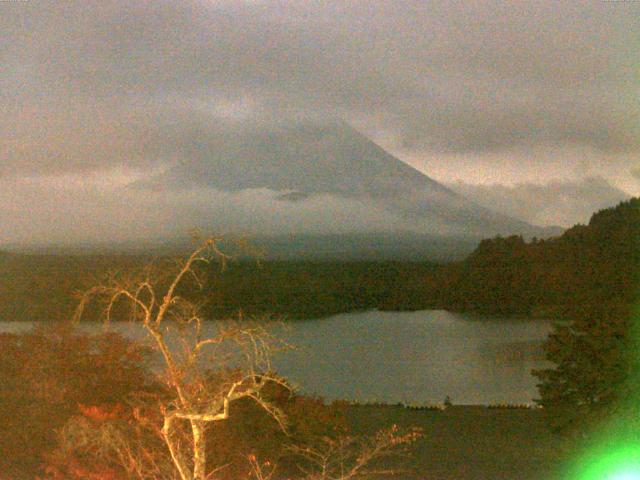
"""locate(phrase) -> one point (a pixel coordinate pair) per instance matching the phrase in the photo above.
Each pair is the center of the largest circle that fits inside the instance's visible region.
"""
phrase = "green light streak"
(622, 463)
(615, 451)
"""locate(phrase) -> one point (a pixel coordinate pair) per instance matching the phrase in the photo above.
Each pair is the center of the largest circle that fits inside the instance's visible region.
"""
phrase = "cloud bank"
(481, 92)
(71, 210)
(556, 203)
(87, 84)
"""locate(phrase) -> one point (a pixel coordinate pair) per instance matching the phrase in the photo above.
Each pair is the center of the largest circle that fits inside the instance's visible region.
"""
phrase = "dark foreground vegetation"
(473, 442)
(66, 397)
(74, 406)
(183, 405)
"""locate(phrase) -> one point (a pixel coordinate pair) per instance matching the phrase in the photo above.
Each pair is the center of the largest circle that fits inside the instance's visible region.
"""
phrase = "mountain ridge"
(331, 158)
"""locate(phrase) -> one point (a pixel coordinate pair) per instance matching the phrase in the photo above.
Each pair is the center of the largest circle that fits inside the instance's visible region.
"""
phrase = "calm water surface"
(411, 357)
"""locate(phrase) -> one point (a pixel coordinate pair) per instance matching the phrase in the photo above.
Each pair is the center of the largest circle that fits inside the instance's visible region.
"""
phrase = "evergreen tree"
(596, 357)
(593, 359)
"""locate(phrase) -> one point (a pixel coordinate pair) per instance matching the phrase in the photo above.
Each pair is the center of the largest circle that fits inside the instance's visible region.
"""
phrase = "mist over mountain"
(327, 164)
(319, 188)
(554, 203)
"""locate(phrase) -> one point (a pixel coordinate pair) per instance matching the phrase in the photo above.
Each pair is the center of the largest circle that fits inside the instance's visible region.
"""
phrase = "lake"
(410, 357)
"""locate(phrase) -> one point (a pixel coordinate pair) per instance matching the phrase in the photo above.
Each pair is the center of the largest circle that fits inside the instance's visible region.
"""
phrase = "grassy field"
(471, 443)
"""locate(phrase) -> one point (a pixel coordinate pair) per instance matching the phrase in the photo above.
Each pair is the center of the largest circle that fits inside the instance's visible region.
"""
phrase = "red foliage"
(50, 378)
(44, 375)
(100, 414)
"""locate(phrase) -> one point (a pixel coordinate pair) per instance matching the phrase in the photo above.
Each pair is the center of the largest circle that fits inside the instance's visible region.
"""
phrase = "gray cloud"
(95, 94)
(562, 203)
(87, 84)
(68, 209)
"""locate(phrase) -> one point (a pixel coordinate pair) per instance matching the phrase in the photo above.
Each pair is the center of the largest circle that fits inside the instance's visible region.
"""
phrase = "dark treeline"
(588, 265)
(594, 381)
(298, 290)
(45, 287)
(585, 268)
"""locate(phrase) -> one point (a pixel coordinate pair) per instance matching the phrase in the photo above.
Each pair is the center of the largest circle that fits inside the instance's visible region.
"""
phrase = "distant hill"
(589, 266)
(331, 159)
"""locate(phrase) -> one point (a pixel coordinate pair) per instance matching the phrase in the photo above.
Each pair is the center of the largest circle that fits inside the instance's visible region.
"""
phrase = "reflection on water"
(412, 357)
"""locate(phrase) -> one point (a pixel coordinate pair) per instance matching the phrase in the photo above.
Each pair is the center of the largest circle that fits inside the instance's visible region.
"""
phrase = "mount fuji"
(330, 161)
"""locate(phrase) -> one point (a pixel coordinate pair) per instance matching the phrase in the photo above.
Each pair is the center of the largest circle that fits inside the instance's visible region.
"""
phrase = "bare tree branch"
(197, 401)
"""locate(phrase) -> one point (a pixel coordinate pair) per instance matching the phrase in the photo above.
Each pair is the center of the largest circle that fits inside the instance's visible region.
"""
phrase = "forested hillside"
(594, 381)
(45, 287)
(588, 265)
(298, 290)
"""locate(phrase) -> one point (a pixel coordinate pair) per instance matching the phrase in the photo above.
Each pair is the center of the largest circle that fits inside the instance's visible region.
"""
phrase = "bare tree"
(238, 351)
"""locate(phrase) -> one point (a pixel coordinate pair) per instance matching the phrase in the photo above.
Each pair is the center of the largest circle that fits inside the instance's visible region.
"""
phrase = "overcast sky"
(543, 93)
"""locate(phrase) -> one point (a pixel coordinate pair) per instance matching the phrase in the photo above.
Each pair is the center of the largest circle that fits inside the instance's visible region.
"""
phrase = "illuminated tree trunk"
(199, 450)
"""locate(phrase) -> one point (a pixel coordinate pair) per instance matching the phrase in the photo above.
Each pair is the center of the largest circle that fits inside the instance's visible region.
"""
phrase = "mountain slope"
(329, 159)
